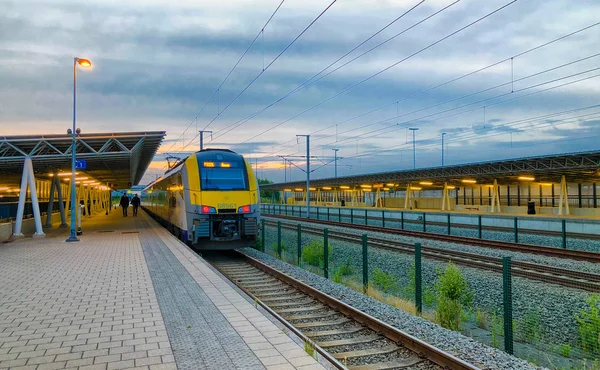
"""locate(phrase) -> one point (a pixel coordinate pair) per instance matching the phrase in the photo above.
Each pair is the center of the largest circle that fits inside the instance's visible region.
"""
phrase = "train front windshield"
(219, 177)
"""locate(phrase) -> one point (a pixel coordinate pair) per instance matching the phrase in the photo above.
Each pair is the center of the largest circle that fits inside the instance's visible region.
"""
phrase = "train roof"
(202, 155)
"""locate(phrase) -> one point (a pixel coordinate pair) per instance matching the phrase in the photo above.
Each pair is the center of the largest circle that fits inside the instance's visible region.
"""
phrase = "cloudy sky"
(157, 66)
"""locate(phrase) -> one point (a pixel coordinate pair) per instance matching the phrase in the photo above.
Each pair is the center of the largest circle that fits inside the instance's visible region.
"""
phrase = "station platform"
(129, 295)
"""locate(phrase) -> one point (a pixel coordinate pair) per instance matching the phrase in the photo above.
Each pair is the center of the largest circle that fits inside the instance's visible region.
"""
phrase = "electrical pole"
(202, 132)
(335, 150)
(413, 129)
(443, 134)
(307, 174)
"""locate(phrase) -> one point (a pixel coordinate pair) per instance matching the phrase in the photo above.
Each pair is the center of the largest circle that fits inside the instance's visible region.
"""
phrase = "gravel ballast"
(452, 342)
(550, 307)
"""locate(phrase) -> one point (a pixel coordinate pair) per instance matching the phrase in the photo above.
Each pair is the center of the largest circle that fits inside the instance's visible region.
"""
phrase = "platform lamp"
(86, 64)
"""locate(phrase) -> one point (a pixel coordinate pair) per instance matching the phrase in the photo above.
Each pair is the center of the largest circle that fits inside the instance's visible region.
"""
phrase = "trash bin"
(531, 208)
(343, 202)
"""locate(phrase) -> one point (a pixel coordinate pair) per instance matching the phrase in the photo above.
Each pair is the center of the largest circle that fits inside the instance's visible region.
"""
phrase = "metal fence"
(576, 234)
(544, 322)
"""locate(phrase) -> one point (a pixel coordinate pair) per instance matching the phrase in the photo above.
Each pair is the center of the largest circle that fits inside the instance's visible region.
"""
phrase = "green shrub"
(312, 253)
(343, 270)
(384, 281)
(497, 329)
(275, 249)
(309, 348)
(409, 290)
(481, 318)
(429, 296)
(531, 327)
(565, 350)
(589, 325)
(454, 297)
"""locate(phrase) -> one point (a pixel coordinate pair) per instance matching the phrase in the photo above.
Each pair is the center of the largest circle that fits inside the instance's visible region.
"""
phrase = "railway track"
(345, 336)
(549, 274)
(455, 225)
(493, 244)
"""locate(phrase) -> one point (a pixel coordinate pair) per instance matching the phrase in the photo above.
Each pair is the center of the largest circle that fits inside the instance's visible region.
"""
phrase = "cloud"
(156, 65)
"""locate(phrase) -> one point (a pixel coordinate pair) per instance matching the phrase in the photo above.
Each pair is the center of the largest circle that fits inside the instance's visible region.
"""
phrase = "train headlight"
(244, 209)
(207, 210)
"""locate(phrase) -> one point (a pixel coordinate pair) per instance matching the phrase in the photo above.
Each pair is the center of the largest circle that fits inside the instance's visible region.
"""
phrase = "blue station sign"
(80, 164)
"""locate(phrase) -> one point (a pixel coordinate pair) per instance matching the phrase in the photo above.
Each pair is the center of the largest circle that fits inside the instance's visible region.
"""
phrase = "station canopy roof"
(576, 167)
(116, 158)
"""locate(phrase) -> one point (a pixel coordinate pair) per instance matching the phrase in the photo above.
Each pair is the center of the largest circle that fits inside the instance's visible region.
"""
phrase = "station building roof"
(576, 167)
(118, 158)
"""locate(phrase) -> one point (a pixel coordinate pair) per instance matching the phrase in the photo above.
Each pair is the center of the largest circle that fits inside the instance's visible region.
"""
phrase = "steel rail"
(533, 271)
(414, 344)
(514, 247)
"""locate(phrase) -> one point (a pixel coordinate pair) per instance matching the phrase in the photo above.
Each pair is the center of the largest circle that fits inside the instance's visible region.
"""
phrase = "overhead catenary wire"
(401, 125)
(515, 125)
(419, 93)
(394, 118)
(384, 70)
(230, 72)
(319, 75)
(576, 119)
(263, 70)
(528, 144)
(470, 95)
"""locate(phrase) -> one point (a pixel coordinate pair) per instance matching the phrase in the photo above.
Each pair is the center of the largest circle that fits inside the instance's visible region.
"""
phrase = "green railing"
(543, 231)
(546, 324)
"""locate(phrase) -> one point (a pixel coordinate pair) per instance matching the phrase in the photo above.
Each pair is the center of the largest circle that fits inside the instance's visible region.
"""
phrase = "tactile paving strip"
(201, 337)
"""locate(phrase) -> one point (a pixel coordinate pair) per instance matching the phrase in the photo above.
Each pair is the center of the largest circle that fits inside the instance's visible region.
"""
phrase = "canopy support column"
(564, 198)
(61, 203)
(50, 208)
(28, 177)
(446, 198)
(378, 199)
(496, 197)
(408, 197)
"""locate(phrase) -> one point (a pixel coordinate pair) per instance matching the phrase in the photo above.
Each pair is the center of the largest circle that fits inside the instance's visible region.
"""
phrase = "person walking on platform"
(125, 204)
(135, 202)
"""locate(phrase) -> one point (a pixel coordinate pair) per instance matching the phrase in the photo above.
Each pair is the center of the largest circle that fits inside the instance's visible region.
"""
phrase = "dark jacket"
(135, 201)
(124, 201)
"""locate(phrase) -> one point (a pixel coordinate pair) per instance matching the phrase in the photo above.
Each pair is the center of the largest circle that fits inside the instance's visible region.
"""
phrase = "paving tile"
(301, 361)
(274, 360)
(106, 299)
(107, 359)
(148, 361)
(80, 362)
(52, 366)
(13, 363)
(69, 356)
(121, 365)
(93, 367)
(134, 355)
(40, 360)
(169, 366)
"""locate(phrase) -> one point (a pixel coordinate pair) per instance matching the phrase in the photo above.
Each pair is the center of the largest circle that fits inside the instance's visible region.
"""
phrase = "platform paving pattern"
(87, 305)
(128, 295)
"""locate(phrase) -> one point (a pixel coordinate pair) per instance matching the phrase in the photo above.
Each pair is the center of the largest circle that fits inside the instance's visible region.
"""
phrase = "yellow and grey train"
(210, 200)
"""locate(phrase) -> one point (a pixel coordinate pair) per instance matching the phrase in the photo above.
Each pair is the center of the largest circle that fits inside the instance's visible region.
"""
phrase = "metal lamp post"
(413, 129)
(86, 64)
(443, 134)
(335, 161)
